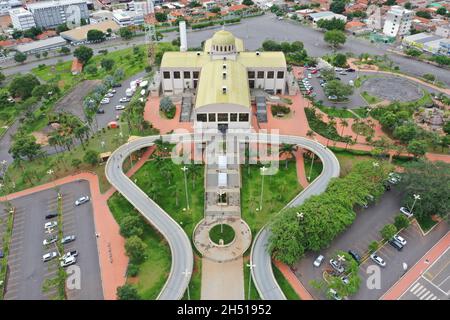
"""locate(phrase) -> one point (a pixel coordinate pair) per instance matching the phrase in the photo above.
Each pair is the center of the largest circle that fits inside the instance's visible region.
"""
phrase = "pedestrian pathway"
(293, 281)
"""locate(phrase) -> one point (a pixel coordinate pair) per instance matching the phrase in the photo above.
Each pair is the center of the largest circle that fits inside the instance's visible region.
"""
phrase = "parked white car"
(318, 261)
(378, 260)
(49, 256)
(400, 240)
(82, 200)
(120, 107)
(50, 224)
(68, 261)
(406, 212)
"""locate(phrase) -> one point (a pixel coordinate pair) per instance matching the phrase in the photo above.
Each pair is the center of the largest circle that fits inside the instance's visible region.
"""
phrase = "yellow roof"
(273, 59)
(211, 84)
(223, 38)
(239, 44)
(189, 59)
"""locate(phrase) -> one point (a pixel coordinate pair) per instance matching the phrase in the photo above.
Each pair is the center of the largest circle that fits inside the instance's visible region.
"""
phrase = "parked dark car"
(351, 70)
(116, 85)
(397, 245)
(355, 255)
(1, 254)
(101, 111)
(51, 215)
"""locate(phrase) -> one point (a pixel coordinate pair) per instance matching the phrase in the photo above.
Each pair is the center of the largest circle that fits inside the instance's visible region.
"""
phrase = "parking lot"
(434, 283)
(364, 230)
(27, 270)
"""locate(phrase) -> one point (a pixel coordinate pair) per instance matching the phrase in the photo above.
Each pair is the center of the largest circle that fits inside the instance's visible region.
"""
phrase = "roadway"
(262, 273)
(179, 243)
(255, 30)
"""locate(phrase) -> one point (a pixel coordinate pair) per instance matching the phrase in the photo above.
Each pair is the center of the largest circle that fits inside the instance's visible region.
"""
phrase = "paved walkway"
(300, 163)
(293, 281)
(222, 281)
(151, 113)
(418, 269)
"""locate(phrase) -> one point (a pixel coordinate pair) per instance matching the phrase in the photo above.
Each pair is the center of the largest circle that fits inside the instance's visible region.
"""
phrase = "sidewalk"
(418, 269)
(293, 281)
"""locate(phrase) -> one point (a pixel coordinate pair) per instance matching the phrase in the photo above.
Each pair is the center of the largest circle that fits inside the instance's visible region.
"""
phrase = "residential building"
(398, 21)
(128, 18)
(6, 5)
(326, 15)
(443, 31)
(50, 14)
(49, 44)
(22, 19)
(223, 77)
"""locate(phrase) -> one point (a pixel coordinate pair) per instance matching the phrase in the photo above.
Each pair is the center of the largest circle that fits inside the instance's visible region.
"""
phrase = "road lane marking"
(417, 289)
(435, 286)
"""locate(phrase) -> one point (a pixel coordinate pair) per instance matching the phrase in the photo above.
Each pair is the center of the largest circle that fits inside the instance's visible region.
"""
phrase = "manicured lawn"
(195, 286)
(362, 112)
(222, 232)
(285, 286)
(316, 167)
(348, 159)
(163, 181)
(336, 112)
(254, 295)
(59, 74)
(426, 223)
(279, 189)
(154, 271)
(369, 98)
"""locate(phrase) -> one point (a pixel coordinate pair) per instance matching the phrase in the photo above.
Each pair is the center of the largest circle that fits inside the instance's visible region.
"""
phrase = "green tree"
(340, 60)
(107, 64)
(22, 85)
(248, 2)
(334, 38)
(417, 147)
(20, 57)
(405, 132)
(25, 146)
(388, 231)
(413, 52)
(408, 5)
(2, 77)
(431, 180)
(214, 10)
(429, 77)
(131, 225)
(338, 89)
(373, 246)
(83, 54)
(446, 127)
(401, 221)
(424, 14)
(390, 2)
(65, 50)
(32, 33)
(331, 24)
(127, 292)
(61, 28)
(17, 34)
(442, 11)
(270, 45)
(91, 157)
(95, 35)
(337, 6)
(125, 33)
(328, 74)
(76, 163)
(43, 90)
(90, 69)
(135, 249)
(161, 16)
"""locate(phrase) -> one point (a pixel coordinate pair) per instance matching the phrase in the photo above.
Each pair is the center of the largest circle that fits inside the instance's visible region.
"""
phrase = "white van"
(129, 92)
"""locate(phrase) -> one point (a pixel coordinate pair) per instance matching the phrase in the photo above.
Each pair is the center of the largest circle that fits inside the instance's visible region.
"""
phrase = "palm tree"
(344, 124)
(193, 170)
(287, 149)
(310, 134)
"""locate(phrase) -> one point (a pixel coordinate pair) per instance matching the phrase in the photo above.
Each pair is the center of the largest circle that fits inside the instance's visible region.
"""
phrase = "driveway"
(28, 272)
(364, 230)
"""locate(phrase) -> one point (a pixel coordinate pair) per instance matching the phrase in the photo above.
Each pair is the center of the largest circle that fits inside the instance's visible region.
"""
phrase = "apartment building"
(128, 18)
(6, 5)
(22, 19)
(50, 14)
(398, 21)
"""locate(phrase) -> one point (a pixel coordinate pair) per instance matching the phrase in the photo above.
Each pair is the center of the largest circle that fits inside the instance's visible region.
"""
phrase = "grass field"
(315, 170)
(369, 98)
(336, 112)
(279, 189)
(285, 286)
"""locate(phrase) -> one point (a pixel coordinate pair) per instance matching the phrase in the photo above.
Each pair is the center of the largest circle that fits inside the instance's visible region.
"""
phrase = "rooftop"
(49, 4)
(80, 33)
(53, 41)
(211, 84)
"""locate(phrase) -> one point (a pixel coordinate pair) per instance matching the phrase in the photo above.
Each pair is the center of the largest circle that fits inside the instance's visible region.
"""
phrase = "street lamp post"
(263, 170)
(416, 197)
(310, 169)
(300, 216)
(185, 185)
(186, 274)
(251, 266)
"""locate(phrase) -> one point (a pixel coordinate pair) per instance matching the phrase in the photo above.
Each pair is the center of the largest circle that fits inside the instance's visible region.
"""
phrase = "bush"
(401, 221)
(135, 249)
(91, 157)
(132, 270)
(127, 292)
(280, 109)
(388, 231)
(373, 246)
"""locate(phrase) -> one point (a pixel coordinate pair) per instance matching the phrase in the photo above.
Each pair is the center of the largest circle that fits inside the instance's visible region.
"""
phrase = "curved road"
(180, 245)
(262, 273)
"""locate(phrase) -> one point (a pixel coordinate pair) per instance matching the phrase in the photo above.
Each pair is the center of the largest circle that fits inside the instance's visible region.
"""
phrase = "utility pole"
(186, 274)
(263, 170)
(185, 185)
(251, 266)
